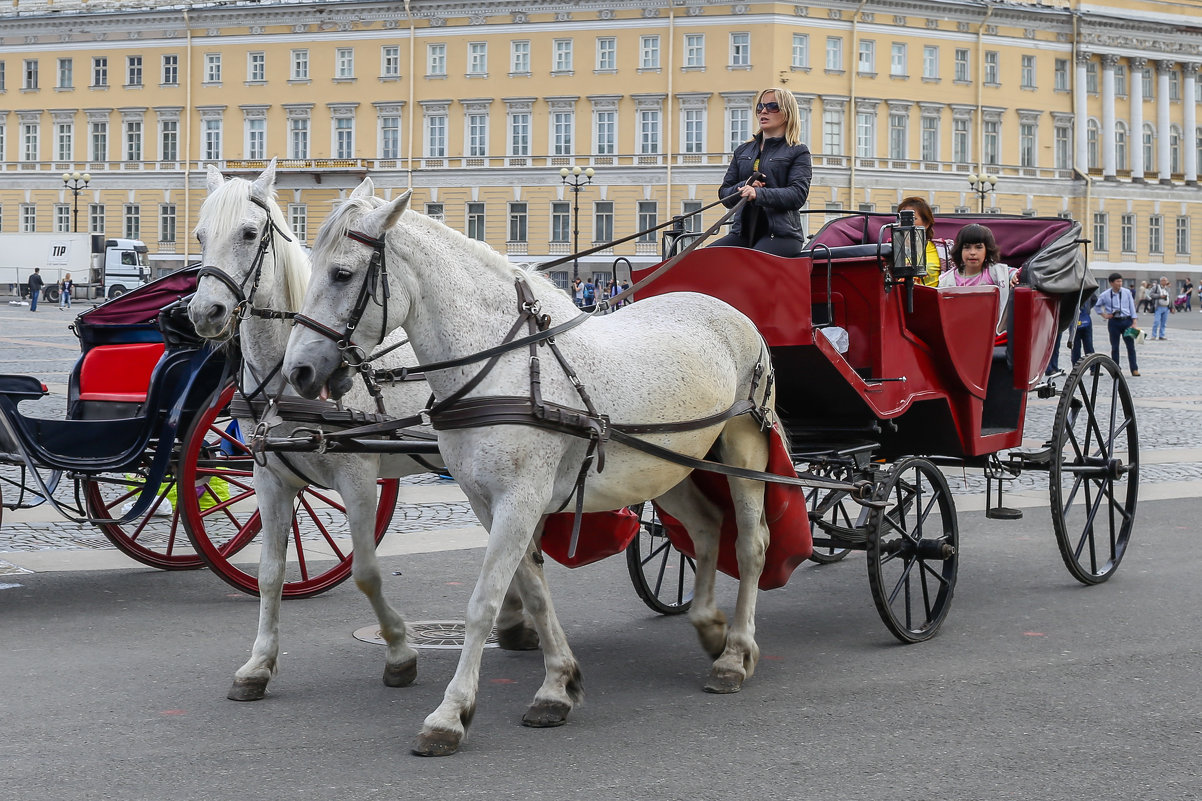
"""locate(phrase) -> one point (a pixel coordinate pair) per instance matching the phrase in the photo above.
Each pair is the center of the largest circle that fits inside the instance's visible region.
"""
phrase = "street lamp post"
(579, 179)
(76, 182)
(982, 184)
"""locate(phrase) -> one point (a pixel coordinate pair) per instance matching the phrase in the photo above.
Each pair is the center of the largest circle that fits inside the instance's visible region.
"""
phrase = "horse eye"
(341, 275)
(249, 234)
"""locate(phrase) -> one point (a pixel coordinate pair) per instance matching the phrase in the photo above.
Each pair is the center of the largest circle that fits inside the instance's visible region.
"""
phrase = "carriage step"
(1032, 456)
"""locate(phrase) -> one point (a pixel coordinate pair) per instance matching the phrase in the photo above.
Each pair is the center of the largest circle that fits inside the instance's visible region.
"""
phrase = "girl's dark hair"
(975, 234)
(923, 210)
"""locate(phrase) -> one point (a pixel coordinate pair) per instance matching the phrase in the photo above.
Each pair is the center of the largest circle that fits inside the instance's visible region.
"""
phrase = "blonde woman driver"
(771, 218)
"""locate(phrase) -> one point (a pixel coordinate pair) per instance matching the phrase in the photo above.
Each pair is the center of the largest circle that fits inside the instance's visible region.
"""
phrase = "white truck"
(99, 267)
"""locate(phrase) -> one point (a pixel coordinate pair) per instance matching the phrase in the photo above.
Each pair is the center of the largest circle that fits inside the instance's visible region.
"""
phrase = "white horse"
(271, 272)
(674, 358)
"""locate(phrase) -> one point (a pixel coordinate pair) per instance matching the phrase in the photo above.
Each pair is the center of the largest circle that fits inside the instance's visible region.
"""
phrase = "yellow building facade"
(1079, 109)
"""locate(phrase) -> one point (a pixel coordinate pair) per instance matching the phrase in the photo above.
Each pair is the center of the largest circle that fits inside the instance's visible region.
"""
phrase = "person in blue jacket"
(771, 218)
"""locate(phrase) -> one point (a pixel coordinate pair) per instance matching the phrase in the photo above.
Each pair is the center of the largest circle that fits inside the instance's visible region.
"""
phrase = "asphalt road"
(1036, 688)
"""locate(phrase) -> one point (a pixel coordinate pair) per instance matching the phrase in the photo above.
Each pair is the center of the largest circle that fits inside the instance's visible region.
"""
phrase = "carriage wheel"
(831, 511)
(222, 517)
(913, 550)
(662, 576)
(1093, 478)
(157, 538)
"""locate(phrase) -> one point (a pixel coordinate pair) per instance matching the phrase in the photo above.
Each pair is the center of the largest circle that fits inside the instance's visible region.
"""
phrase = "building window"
(30, 145)
(648, 218)
(562, 55)
(256, 138)
(212, 68)
(519, 134)
(603, 221)
(133, 221)
(740, 49)
(298, 138)
(1127, 232)
(167, 220)
(133, 140)
(344, 137)
(605, 137)
(1027, 72)
(300, 65)
(66, 73)
(390, 137)
(477, 59)
(1155, 241)
(169, 140)
(475, 221)
(1120, 80)
(98, 141)
(96, 218)
(518, 221)
(1149, 146)
(1183, 235)
(930, 62)
(1027, 144)
(992, 69)
(562, 124)
(930, 138)
(834, 54)
(100, 71)
(31, 74)
(897, 59)
(648, 131)
(477, 135)
(1091, 77)
(64, 136)
(1091, 144)
(133, 71)
(211, 137)
(1149, 85)
(436, 136)
(738, 127)
(1120, 145)
(865, 134)
(607, 53)
(649, 52)
(1060, 75)
(1174, 149)
(436, 60)
(170, 70)
(961, 152)
(435, 211)
(693, 131)
(62, 218)
(866, 60)
(1174, 85)
(1063, 146)
(519, 58)
(29, 218)
(256, 67)
(801, 51)
(690, 210)
(1100, 234)
(962, 72)
(832, 131)
(899, 124)
(694, 50)
(561, 221)
(992, 141)
(390, 61)
(298, 221)
(344, 63)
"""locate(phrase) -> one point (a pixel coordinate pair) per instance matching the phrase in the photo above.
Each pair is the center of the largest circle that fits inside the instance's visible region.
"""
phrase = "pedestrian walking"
(64, 292)
(35, 288)
(1117, 307)
(1161, 296)
(1083, 333)
(1188, 291)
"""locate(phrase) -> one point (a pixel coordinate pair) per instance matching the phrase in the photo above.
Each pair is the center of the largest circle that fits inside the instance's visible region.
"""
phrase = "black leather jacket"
(787, 185)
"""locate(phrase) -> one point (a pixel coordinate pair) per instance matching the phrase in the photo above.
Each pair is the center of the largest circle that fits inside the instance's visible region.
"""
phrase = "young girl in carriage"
(975, 254)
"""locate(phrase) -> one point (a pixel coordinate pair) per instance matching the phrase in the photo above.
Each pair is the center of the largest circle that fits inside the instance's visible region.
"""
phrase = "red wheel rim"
(156, 539)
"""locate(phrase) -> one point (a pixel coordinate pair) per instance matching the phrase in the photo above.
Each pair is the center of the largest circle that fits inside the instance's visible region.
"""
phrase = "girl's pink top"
(981, 278)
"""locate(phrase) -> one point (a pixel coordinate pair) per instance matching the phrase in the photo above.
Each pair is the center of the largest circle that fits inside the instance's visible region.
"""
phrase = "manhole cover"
(446, 634)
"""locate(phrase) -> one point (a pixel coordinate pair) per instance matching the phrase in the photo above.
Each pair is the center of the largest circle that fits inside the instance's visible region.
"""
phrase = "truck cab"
(122, 265)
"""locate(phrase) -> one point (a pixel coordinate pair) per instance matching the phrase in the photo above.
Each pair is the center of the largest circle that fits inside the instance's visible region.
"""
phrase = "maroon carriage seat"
(118, 373)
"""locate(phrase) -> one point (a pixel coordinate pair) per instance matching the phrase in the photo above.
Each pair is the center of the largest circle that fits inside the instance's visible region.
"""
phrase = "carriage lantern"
(909, 252)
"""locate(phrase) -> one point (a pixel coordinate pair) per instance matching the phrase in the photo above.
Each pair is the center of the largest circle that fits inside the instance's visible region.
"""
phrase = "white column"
(1108, 161)
(1190, 140)
(1080, 121)
(1162, 120)
(1136, 144)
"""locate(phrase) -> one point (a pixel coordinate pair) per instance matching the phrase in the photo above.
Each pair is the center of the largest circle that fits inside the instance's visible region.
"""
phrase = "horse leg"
(511, 526)
(703, 520)
(275, 509)
(562, 687)
(743, 444)
(359, 496)
(514, 629)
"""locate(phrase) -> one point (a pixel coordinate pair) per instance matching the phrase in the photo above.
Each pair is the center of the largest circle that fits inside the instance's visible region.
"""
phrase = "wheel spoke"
(325, 533)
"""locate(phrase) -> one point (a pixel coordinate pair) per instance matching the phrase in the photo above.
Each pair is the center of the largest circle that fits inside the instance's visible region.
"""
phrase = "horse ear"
(264, 185)
(214, 178)
(387, 215)
(365, 189)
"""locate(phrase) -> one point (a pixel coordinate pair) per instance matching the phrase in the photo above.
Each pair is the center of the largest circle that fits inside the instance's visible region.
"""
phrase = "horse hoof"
(436, 743)
(401, 675)
(518, 637)
(546, 714)
(247, 689)
(724, 681)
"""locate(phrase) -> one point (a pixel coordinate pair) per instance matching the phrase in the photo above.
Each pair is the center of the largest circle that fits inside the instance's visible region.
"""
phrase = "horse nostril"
(218, 312)
(301, 377)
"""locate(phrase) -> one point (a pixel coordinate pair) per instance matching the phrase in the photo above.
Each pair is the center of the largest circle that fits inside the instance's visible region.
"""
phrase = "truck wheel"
(116, 291)
(50, 294)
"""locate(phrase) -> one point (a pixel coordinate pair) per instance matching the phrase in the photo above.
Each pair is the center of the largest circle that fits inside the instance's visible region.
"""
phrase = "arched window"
(1174, 149)
(1091, 143)
(1120, 145)
(1149, 147)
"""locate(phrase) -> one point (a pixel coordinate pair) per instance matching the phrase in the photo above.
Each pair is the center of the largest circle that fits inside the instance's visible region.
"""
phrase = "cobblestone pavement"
(1168, 398)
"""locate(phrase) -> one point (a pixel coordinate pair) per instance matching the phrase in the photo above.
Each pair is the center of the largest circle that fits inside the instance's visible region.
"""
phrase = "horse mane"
(226, 206)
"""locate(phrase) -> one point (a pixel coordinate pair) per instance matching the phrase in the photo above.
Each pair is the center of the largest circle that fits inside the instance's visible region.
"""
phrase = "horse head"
(239, 231)
(354, 299)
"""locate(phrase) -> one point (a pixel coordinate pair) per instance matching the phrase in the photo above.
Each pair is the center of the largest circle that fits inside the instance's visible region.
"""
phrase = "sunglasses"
(770, 107)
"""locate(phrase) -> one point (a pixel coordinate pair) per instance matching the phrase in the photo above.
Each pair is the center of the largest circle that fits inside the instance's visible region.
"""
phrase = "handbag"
(1134, 333)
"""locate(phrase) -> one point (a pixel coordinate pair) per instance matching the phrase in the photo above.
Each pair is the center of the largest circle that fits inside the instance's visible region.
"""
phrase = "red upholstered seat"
(119, 373)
